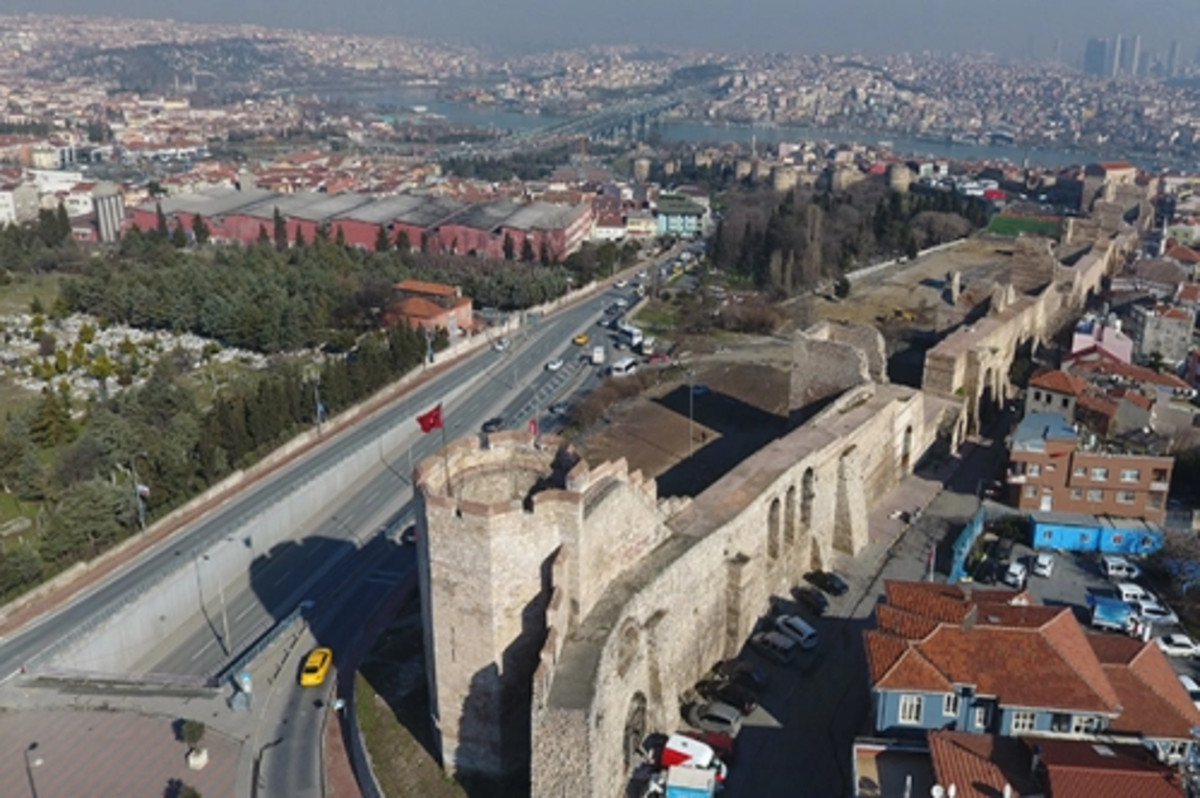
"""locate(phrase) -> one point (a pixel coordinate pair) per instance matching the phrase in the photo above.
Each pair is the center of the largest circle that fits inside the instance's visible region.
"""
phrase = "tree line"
(793, 242)
(271, 299)
(175, 444)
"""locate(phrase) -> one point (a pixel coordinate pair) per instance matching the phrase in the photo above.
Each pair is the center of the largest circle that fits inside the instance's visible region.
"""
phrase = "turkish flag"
(431, 420)
(533, 427)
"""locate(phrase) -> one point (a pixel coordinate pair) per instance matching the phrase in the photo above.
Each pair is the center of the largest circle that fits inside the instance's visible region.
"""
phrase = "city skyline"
(813, 26)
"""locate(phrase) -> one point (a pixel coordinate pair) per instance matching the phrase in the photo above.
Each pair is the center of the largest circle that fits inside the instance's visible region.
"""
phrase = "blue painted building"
(1077, 532)
(942, 658)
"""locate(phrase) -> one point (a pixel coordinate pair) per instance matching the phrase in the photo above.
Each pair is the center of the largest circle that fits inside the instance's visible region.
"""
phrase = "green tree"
(87, 333)
(36, 307)
(20, 568)
(192, 732)
(339, 237)
(299, 243)
(510, 249)
(402, 242)
(161, 225)
(527, 254)
(89, 517)
(50, 424)
(841, 288)
(382, 242)
(179, 238)
(281, 234)
(263, 238)
(200, 230)
(62, 223)
(31, 477)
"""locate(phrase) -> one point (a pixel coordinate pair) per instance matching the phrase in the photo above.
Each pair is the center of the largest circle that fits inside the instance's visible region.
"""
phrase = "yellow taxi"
(316, 667)
(581, 339)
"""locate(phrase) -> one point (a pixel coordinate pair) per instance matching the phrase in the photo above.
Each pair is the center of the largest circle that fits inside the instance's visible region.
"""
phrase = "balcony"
(1163, 487)
(1016, 479)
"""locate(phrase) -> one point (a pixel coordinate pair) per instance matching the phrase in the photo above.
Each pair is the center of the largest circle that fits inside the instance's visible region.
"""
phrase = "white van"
(1119, 568)
(624, 367)
(1043, 564)
(1129, 592)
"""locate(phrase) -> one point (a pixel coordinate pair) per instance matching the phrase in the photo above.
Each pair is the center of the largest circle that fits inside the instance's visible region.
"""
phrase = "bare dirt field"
(914, 294)
(743, 408)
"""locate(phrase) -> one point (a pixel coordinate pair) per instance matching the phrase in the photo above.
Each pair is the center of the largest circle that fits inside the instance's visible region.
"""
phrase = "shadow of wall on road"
(276, 576)
(741, 430)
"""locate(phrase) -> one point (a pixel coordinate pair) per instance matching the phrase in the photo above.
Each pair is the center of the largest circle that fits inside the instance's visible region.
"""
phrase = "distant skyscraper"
(1114, 66)
(1173, 58)
(1095, 56)
(1135, 55)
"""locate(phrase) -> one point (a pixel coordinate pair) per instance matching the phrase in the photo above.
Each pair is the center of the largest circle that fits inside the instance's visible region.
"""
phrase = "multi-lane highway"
(486, 384)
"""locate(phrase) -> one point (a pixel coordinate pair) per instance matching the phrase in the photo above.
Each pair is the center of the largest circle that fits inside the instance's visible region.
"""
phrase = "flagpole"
(445, 454)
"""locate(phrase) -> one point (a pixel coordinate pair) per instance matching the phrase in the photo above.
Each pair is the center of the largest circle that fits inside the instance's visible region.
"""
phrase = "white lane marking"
(281, 579)
(203, 648)
(244, 613)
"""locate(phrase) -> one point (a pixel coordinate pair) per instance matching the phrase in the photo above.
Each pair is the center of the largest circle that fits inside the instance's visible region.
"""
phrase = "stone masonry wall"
(696, 597)
(824, 365)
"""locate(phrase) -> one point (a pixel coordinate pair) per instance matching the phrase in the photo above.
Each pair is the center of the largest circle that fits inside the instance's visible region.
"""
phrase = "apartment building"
(1052, 468)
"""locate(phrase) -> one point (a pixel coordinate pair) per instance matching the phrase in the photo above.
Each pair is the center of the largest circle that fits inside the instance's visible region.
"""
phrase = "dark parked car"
(743, 673)
(812, 598)
(735, 695)
(828, 581)
(409, 535)
(493, 424)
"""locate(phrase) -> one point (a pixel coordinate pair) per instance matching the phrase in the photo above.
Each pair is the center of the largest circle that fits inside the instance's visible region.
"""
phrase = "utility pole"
(320, 408)
(221, 595)
(691, 375)
(139, 490)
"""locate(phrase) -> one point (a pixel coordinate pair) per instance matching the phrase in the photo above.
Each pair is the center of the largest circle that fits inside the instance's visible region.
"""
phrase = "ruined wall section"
(827, 362)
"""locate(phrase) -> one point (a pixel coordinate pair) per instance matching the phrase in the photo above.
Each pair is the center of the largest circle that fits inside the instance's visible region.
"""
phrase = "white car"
(621, 283)
(1178, 645)
(621, 303)
(1193, 689)
(554, 365)
(1156, 612)
(500, 345)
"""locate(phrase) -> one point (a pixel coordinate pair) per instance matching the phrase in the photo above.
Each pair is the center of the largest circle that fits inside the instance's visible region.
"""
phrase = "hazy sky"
(1010, 27)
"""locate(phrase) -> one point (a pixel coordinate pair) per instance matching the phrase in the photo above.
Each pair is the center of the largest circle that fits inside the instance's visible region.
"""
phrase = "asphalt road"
(485, 384)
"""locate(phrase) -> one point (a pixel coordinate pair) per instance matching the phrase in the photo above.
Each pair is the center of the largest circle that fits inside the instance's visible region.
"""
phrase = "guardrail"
(261, 644)
(124, 680)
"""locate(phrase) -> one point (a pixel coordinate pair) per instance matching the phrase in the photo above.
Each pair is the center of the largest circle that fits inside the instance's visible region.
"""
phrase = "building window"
(1048, 534)
(1158, 475)
(1117, 539)
(1066, 403)
(950, 705)
(1079, 471)
(1095, 495)
(1037, 396)
(910, 708)
(1099, 474)
(1126, 497)
(1154, 501)
(1174, 750)
(1031, 491)
(1076, 494)
(1130, 475)
(1033, 470)
(981, 717)
(1060, 723)
(1085, 724)
(1023, 721)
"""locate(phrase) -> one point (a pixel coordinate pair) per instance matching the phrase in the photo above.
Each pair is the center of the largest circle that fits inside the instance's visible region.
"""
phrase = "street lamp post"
(30, 764)
(224, 611)
(691, 375)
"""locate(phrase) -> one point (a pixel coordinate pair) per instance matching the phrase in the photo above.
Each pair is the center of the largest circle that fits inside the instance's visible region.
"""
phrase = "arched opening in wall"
(789, 517)
(627, 646)
(849, 490)
(808, 492)
(635, 731)
(906, 449)
(773, 530)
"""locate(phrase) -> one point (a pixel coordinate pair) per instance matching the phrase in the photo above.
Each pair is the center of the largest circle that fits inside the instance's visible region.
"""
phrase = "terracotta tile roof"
(1026, 656)
(1183, 254)
(911, 671)
(1136, 397)
(1188, 292)
(983, 596)
(1081, 769)
(1097, 404)
(1059, 382)
(419, 287)
(905, 625)
(936, 601)
(1154, 703)
(415, 307)
(981, 765)
(1112, 166)
(1097, 361)
(883, 651)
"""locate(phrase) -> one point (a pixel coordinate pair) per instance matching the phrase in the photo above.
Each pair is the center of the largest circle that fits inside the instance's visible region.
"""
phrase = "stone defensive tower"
(485, 542)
